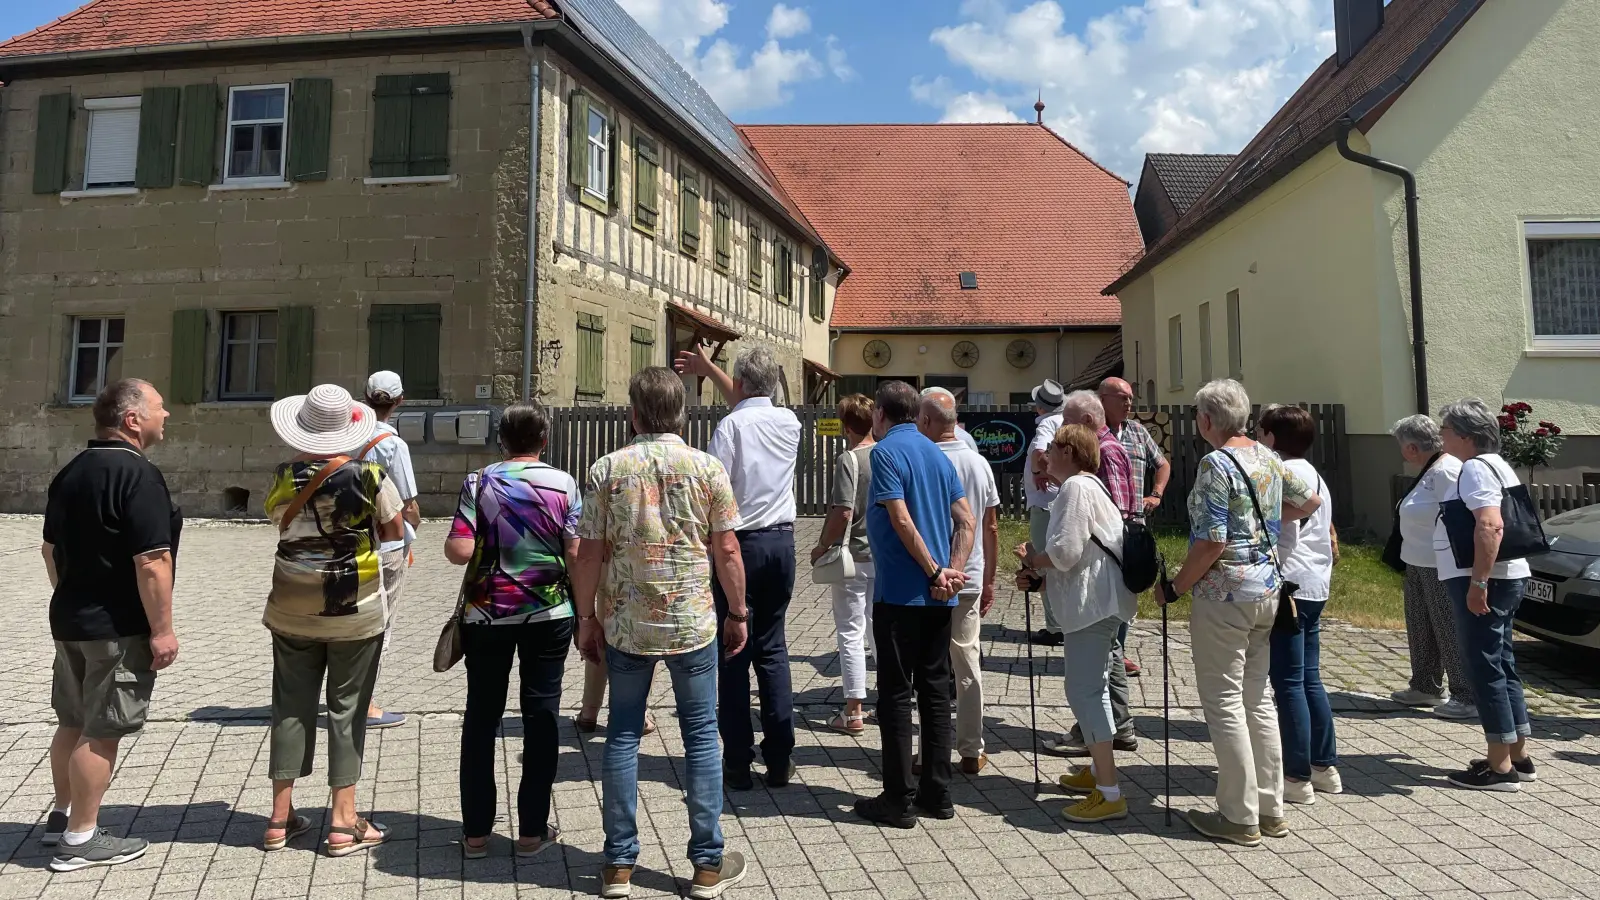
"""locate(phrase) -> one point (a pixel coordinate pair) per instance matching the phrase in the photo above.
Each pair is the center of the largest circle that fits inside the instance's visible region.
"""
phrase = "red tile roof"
(910, 207)
(109, 25)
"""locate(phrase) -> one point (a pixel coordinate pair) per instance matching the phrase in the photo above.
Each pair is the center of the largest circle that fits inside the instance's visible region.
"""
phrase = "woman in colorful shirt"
(516, 532)
(1241, 497)
(328, 606)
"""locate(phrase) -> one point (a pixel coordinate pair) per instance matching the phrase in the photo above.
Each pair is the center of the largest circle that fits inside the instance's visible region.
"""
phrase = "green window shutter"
(578, 140)
(197, 135)
(429, 151)
(391, 126)
(643, 343)
(158, 137)
(757, 264)
(420, 359)
(386, 337)
(296, 338)
(188, 356)
(614, 176)
(591, 356)
(310, 128)
(689, 212)
(722, 233)
(51, 143)
(646, 163)
(783, 271)
(819, 275)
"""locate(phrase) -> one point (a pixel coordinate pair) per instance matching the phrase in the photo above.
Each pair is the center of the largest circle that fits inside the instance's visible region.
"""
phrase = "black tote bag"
(1523, 535)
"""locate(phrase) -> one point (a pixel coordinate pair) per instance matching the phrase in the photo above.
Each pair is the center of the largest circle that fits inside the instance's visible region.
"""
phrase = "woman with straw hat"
(327, 608)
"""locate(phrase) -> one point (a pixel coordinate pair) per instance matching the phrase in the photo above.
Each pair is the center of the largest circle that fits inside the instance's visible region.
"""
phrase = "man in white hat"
(387, 448)
(1049, 399)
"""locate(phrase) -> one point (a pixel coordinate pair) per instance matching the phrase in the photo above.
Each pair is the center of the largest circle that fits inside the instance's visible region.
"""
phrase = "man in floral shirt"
(656, 515)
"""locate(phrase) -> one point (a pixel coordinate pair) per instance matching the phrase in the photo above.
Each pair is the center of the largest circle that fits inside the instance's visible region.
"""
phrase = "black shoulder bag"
(1287, 619)
(1523, 535)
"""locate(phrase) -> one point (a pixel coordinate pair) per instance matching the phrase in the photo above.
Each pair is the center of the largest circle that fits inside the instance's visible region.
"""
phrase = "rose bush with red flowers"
(1524, 443)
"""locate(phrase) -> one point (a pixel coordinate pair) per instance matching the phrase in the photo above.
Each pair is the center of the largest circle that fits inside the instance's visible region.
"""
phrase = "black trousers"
(914, 655)
(769, 583)
(541, 649)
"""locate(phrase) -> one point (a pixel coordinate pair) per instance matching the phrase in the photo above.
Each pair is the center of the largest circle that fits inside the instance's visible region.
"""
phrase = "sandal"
(358, 838)
(471, 851)
(551, 833)
(292, 827)
(842, 724)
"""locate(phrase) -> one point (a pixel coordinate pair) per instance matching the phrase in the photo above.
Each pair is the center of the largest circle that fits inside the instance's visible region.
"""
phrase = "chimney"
(1354, 24)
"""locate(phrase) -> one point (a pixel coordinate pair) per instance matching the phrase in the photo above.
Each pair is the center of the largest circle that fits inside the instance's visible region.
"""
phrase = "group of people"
(672, 555)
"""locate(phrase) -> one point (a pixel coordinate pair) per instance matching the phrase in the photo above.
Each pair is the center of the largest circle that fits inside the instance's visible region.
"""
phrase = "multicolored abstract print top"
(325, 577)
(656, 503)
(521, 520)
(1220, 510)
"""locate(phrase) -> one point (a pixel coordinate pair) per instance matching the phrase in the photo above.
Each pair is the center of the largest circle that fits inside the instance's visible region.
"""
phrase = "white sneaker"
(1456, 709)
(1409, 697)
(1327, 781)
(1299, 792)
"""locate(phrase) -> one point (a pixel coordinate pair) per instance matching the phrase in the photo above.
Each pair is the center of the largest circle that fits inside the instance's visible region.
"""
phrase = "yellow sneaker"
(1096, 808)
(1078, 782)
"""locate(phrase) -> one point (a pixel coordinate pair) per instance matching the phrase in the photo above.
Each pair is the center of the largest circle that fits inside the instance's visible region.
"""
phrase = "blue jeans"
(694, 684)
(1305, 719)
(1487, 656)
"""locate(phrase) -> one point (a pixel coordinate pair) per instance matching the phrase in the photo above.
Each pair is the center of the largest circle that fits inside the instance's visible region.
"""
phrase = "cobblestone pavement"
(195, 782)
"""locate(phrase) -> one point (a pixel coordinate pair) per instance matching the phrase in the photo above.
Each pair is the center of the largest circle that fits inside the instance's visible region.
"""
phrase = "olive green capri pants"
(297, 673)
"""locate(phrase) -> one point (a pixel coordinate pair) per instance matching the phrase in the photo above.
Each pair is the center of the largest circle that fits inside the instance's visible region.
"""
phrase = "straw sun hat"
(326, 421)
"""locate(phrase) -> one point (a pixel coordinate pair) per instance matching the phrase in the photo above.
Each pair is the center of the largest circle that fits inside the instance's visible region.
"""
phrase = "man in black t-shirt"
(110, 543)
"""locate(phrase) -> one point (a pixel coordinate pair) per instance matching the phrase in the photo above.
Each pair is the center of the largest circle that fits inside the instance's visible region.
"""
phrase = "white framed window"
(258, 134)
(599, 146)
(1175, 353)
(1563, 284)
(111, 152)
(96, 355)
(249, 355)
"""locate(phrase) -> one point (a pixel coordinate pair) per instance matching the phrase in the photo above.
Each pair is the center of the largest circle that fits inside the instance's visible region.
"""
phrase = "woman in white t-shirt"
(1306, 550)
(1430, 615)
(1486, 597)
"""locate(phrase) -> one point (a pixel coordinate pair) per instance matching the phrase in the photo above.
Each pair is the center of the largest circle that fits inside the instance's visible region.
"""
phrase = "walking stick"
(1033, 710)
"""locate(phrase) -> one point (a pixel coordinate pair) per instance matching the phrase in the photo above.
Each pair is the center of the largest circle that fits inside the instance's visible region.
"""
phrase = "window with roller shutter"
(111, 153)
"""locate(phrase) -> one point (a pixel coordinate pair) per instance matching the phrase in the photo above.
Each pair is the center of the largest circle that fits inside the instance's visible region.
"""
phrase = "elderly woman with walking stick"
(1241, 497)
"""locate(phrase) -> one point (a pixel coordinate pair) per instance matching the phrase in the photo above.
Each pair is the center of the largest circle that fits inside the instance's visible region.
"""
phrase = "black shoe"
(1483, 778)
(881, 811)
(738, 779)
(1526, 773)
(1046, 638)
(943, 809)
(1125, 742)
(780, 776)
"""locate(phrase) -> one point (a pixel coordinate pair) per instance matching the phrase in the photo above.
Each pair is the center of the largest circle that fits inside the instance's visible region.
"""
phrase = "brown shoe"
(616, 882)
(709, 882)
(971, 765)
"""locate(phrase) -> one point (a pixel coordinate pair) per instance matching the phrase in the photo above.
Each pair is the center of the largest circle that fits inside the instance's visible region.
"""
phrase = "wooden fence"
(581, 435)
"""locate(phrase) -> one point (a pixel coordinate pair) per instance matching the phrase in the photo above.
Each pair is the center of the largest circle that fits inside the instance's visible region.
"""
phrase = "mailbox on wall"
(444, 427)
(472, 426)
(412, 426)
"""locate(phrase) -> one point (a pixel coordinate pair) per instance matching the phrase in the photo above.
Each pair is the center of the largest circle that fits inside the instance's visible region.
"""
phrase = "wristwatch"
(1481, 584)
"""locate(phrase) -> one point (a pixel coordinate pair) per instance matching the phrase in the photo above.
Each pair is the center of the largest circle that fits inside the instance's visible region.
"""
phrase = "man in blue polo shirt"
(920, 528)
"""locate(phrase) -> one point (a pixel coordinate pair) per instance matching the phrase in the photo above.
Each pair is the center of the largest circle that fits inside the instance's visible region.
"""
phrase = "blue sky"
(1119, 77)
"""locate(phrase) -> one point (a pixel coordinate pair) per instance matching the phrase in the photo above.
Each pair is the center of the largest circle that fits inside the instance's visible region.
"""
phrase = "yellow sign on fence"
(830, 428)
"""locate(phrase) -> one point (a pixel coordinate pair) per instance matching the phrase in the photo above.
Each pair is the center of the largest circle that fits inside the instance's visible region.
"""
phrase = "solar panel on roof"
(631, 47)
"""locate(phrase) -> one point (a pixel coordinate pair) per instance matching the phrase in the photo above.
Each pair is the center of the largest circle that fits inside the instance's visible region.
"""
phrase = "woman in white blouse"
(1084, 587)
(1430, 616)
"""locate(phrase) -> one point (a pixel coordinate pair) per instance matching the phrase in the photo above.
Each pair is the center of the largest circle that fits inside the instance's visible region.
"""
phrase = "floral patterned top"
(657, 502)
(1220, 510)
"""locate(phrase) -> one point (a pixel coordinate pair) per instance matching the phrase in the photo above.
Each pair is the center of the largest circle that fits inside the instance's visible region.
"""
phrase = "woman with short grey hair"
(1485, 596)
(1241, 496)
(1430, 616)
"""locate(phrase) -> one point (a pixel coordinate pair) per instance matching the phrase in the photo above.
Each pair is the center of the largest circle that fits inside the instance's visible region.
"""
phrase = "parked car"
(1562, 601)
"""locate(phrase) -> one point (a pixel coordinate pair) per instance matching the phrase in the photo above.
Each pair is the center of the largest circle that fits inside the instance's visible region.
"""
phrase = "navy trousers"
(769, 583)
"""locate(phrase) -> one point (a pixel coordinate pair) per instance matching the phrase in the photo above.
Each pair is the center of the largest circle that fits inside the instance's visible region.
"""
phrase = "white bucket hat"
(327, 420)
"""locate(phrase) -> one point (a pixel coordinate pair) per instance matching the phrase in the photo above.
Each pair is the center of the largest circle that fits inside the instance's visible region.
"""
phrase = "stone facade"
(339, 246)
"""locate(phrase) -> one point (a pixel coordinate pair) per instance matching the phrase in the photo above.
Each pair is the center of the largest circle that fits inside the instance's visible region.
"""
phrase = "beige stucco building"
(1292, 272)
(236, 209)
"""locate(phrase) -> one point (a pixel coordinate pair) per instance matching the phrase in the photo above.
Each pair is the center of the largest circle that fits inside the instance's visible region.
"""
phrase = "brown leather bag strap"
(382, 436)
(334, 464)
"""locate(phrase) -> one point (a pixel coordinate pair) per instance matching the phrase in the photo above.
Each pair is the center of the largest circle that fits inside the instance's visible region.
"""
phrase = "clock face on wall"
(1020, 353)
(876, 354)
(964, 354)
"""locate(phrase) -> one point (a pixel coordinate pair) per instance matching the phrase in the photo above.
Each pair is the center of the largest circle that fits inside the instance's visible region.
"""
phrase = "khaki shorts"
(103, 687)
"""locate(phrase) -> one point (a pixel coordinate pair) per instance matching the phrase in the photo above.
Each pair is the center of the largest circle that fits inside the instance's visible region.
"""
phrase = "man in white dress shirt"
(1049, 400)
(758, 443)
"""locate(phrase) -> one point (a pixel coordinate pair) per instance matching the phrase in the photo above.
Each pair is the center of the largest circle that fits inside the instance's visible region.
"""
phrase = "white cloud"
(1160, 75)
(962, 106)
(737, 81)
(787, 22)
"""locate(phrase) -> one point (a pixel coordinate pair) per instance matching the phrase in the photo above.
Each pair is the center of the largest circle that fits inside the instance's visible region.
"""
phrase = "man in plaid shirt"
(1144, 454)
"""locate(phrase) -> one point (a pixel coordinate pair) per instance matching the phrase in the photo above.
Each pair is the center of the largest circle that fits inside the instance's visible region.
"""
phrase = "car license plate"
(1540, 590)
